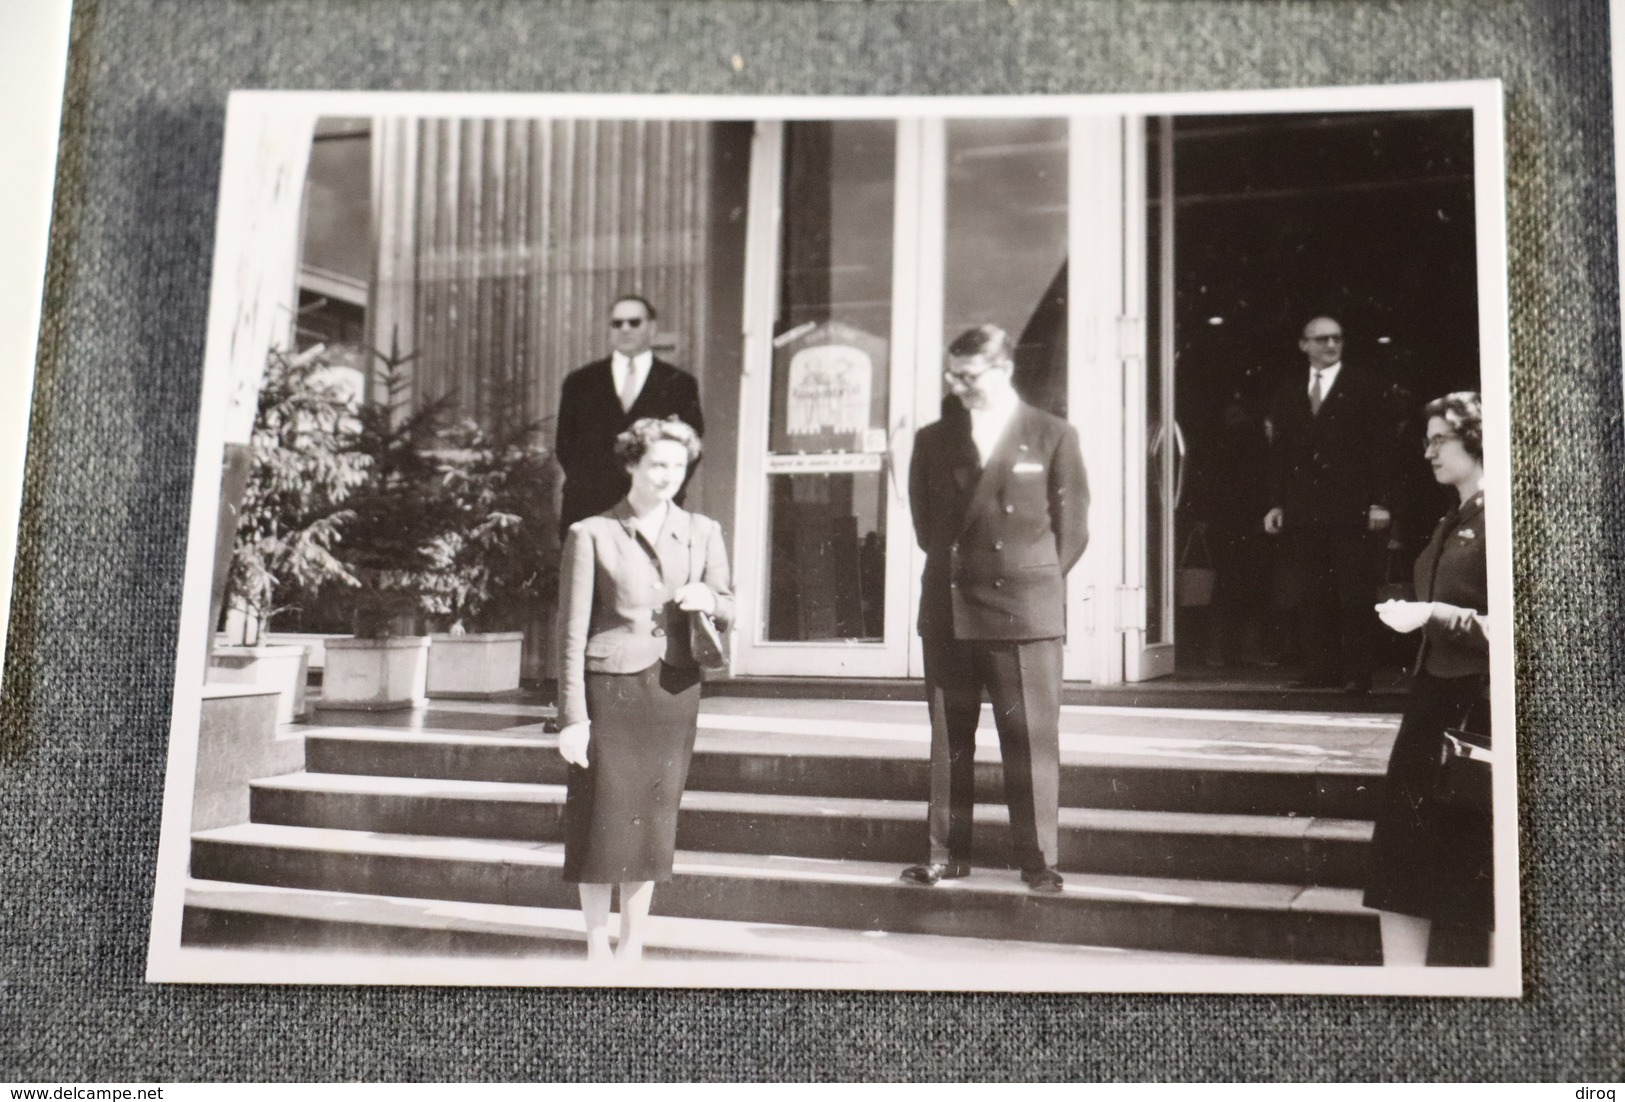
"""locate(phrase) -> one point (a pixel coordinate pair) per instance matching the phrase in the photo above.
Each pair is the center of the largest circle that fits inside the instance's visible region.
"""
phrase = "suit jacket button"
(1009, 508)
(658, 632)
(998, 583)
(998, 545)
(953, 585)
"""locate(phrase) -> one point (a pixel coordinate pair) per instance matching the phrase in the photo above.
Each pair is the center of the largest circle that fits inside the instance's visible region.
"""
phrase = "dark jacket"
(591, 417)
(998, 541)
(1328, 469)
(1453, 570)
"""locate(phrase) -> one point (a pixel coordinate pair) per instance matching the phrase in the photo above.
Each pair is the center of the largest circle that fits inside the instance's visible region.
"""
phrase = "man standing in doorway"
(600, 401)
(1328, 494)
(1000, 504)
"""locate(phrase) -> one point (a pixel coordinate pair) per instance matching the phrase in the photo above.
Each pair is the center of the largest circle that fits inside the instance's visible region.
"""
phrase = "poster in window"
(829, 390)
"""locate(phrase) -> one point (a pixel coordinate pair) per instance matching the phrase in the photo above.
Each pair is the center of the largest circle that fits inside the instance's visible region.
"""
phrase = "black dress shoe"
(1044, 879)
(937, 870)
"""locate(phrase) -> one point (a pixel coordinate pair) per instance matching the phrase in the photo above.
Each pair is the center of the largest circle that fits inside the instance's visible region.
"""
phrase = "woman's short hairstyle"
(1464, 413)
(645, 432)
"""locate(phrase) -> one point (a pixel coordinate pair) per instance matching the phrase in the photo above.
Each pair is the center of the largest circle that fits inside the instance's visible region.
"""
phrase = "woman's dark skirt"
(1428, 859)
(620, 812)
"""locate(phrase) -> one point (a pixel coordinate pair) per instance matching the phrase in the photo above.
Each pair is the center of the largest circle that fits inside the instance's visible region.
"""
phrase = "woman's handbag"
(1193, 586)
(705, 642)
(1466, 767)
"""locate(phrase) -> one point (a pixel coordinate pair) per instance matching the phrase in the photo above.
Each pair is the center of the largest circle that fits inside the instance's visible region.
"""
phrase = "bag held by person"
(1466, 767)
(705, 642)
(1193, 586)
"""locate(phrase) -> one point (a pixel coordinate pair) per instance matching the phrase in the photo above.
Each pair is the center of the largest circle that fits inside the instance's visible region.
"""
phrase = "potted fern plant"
(303, 469)
(394, 519)
(497, 564)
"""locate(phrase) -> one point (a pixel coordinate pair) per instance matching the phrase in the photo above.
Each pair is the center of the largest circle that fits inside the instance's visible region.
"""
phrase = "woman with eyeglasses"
(629, 685)
(1432, 861)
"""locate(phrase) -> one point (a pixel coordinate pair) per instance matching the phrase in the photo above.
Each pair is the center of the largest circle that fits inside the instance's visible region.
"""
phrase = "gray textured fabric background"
(83, 724)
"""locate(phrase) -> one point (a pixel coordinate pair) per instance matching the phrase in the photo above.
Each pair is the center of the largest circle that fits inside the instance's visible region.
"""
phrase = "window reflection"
(1006, 249)
(831, 367)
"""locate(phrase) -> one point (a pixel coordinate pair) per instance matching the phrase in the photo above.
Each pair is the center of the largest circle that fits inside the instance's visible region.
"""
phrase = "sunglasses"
(626, 323)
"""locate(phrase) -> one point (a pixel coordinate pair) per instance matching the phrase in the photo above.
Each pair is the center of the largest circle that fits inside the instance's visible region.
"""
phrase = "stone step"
(1259, 690)
(1269, 849)
(731, 760)
(220, 915)
(1210, 917)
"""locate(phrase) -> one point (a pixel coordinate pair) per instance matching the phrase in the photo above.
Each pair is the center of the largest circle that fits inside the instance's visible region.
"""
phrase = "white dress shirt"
(620, 365)
(988, 425)
(1328, 376)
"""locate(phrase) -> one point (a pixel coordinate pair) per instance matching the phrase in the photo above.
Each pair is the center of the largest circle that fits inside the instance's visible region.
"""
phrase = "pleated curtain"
(500, 245)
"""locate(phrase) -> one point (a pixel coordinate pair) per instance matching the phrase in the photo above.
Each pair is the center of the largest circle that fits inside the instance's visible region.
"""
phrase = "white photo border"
(169, 961)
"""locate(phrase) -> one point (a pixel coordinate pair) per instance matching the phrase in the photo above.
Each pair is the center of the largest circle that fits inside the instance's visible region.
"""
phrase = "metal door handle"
(891, 453)
(1181, 455)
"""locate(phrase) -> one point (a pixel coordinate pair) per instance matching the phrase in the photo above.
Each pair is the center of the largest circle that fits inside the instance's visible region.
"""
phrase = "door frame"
(1107, 375)
(752, 653)
(1151, 452)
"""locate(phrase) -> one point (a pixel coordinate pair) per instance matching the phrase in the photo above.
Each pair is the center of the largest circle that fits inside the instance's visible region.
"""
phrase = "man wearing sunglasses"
(1001, 507)
(1329, 477)
(600, 401)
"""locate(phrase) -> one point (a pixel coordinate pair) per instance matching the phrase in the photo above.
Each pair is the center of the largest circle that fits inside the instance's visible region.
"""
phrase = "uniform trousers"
(1023, 680)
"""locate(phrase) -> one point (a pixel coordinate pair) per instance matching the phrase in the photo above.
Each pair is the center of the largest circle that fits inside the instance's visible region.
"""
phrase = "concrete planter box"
(376, 674)
(239, 740)
(475, 667)
(313, 642)
(281, 668)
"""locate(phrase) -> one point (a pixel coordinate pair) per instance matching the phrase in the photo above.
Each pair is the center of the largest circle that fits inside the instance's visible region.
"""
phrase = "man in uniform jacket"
(1000, 504)
(600, 401)
(1330, 453)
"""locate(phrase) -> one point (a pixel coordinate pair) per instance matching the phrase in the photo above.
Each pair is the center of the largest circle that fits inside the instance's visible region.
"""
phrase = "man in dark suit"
(1000, 504)
(600, 401)
(1329, 459)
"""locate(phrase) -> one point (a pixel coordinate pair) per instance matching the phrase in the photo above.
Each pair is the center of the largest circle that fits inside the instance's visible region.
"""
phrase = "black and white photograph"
(1045, 543)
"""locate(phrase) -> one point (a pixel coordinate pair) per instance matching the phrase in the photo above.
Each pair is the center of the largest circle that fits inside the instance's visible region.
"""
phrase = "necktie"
(1315, 397)
(629, 389)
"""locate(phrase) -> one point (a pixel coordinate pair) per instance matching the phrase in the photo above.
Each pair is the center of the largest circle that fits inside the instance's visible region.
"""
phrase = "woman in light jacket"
(1431, 862)
(629, 689)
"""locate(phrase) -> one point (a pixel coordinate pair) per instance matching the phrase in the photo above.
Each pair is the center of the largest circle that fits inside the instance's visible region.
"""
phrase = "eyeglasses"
(960, 375)
(626, 323)
(1326, 338)
(1434, 443)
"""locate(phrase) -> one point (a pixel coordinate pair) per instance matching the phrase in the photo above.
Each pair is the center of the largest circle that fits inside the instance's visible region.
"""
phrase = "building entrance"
(872, 243)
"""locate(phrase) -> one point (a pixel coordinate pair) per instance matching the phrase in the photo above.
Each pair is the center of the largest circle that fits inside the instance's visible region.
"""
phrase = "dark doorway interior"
(1365, 217)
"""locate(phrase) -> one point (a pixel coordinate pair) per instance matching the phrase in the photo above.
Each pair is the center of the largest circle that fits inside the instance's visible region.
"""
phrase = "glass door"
(825, 540)
(1154, 432)
(994, 207)
(873, 243)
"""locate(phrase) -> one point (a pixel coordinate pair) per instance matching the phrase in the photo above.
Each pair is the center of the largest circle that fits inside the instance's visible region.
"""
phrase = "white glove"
(1405, 616)
(696, 597)
(573, 743)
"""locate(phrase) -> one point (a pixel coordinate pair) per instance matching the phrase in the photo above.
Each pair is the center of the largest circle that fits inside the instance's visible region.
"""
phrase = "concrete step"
(1269, 849)
(734, 759)
(1259, 690)
(1224, 918)
(219, 915)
